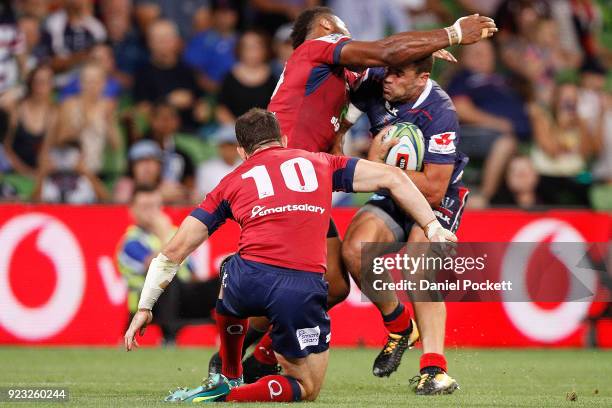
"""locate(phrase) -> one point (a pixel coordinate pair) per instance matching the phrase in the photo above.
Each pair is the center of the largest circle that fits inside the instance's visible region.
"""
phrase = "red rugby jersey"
(312, 93)
(281, 198)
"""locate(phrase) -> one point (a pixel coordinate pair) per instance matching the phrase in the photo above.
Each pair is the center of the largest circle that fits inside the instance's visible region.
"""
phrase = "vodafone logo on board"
(55, 241)
(569, 246)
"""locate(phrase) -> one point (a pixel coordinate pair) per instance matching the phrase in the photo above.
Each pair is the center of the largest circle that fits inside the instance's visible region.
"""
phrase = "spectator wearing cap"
(145, 169)
(210, 173)
(213, 52)
(177, 166)
(282, 48)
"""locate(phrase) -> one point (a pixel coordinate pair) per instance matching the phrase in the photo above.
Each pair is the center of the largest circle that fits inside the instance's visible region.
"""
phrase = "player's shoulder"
(319, 43)
(438, 104)
(331, 38)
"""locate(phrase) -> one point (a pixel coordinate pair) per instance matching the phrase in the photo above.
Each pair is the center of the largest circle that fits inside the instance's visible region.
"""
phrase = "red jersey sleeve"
(214, 209)
(327, 49)
(342, 170)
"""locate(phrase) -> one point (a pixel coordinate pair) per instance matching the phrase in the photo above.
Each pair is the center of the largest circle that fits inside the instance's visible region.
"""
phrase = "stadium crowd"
(101, 98)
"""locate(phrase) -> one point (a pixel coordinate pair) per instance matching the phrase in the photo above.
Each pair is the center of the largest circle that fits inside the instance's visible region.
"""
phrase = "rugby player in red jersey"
(310, 97)
(281, 198)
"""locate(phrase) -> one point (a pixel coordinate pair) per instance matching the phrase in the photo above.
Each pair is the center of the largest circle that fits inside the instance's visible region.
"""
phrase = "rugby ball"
(408, 153)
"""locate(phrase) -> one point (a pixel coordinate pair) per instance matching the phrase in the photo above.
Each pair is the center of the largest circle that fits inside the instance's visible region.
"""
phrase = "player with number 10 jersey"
(282, 199)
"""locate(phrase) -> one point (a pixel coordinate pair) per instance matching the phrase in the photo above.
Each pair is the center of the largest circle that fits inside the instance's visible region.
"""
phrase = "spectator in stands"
(538, 56)
(128, 45)
(519, 17)
(178, 169)
(213, 52)
(38, 9)
(12, 55)
(271, 14)
(250, 83)
(144, 169)
(562, 148)
(602, 169)
(166, 77)
(492, 113)
(31, 122)
(89, 118)
(35, 50)
(370, 20)
(142, 241)
(282, 48)
(521, 185)
(484, 7)
(69, 35)
(210, 173)
(102, 56)
(64, 177)
(591, 100)
(190, 16)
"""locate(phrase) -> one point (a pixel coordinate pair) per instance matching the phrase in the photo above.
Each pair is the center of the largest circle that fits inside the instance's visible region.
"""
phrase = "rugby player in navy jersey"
(281, 197)
(389, 96)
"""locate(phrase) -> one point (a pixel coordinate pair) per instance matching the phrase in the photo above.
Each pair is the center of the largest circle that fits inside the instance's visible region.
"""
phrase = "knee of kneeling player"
(310, 389)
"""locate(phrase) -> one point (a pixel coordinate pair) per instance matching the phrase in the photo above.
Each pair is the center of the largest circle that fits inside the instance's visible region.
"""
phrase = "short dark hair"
(424, 64)
(256, 128)
(303, 24)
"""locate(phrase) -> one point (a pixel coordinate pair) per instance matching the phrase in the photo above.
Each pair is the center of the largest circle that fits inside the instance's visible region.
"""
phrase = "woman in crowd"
(30, 122)
(563, 145)
(251, 82)
(89, 118)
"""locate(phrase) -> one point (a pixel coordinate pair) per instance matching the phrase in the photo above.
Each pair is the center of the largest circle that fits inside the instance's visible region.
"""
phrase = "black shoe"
(434, 381)
(390, 357)
(214, 365)
(253, 370)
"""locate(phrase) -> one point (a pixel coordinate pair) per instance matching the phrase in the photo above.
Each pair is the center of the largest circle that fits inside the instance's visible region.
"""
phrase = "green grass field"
(103, 377)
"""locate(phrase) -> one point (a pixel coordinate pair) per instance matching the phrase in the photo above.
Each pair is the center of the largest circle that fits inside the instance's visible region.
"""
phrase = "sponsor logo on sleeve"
(308, 336)
(442, 143)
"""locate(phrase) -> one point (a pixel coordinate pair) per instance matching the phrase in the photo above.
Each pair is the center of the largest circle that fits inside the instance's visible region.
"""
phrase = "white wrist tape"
(352, 114)
(160, 274)
(431, 228)
(455, 35)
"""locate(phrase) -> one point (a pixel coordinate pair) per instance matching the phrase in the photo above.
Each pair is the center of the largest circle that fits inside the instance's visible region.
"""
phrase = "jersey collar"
(424, 94)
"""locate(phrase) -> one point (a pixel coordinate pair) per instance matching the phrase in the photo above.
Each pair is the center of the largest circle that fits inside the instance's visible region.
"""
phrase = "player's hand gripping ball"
(408, 153)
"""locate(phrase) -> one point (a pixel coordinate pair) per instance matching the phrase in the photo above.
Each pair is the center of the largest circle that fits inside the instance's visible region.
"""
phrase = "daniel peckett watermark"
(412, 265)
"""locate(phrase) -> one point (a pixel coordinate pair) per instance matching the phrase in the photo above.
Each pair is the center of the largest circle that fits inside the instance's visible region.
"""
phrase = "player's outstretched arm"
(370, 177)
(162, 270)
(405, 47)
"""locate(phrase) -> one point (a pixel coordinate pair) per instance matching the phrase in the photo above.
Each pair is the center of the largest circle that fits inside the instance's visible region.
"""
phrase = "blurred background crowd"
(102, 98)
